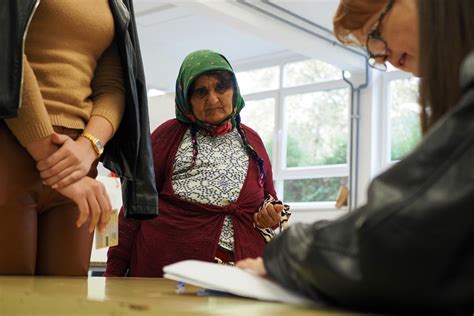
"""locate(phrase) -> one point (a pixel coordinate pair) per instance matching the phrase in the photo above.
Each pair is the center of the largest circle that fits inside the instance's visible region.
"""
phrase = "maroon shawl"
(186, 230)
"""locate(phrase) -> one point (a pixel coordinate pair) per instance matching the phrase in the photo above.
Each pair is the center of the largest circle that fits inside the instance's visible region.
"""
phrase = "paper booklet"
(109, 237)
(223, 278)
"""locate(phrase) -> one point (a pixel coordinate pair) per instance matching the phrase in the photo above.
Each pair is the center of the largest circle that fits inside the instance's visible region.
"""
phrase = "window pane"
(312, 190)
(258, 80)
(260, 116)
(309, 71)
(404, 117)
(317, 130)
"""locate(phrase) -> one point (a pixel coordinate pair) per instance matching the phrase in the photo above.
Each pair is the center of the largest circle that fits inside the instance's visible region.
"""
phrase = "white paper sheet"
(232, 280)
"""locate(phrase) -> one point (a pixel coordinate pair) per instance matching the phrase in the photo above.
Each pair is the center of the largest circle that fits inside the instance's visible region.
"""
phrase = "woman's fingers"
(70, 178)
(83, 211)
(106, 209)
(95, 210)
(92, 200)
(60, 162)
(51, 179)
(255, 265)
(100, 206)
(256, 220)
(268, 216)
(65, 166)
(59, 139)
(263, 218)
(273, 214)
(56, 157)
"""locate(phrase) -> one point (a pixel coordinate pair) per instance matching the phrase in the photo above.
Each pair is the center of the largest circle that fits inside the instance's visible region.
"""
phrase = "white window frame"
(280, 171)
(386, 124)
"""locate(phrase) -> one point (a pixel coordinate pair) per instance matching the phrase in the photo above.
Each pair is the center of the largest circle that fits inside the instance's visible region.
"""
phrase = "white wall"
(310, 216)
(161, 109)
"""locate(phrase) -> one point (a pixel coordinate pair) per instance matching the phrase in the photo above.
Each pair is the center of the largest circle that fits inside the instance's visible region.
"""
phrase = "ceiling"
(245, 32)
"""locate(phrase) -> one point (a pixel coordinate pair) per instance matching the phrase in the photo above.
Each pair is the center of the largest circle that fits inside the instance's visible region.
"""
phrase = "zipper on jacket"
(37, 2)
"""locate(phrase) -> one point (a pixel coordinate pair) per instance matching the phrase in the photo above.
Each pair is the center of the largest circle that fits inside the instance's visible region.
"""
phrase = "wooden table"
(128, 296)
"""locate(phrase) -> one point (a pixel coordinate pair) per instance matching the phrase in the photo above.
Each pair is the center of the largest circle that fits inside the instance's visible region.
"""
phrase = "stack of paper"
(232, 280)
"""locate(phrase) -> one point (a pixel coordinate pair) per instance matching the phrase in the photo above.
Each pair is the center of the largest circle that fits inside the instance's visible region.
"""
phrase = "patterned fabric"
(216, 179)
(226, 240)
(269, 233)
(194, 65)
(219, 173)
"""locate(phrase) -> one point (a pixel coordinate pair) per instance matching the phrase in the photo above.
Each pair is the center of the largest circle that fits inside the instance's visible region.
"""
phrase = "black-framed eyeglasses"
(376, 46)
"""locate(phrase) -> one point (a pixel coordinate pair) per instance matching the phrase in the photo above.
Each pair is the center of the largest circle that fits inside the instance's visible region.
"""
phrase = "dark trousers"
(38, 235)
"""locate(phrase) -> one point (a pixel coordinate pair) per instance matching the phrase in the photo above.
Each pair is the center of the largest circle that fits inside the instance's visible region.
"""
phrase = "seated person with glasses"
(410, 247)
(387, 29)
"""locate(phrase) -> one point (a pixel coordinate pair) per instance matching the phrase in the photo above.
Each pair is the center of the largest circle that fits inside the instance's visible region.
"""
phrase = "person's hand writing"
(254, 265)
(93, 202)
(71, 162)
(268, 216)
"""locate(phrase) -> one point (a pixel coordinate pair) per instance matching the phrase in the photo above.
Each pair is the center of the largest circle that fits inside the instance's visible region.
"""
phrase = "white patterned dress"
(218, 176)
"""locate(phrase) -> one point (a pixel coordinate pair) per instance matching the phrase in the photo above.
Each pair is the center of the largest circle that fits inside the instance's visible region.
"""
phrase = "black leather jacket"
(411, 247)
(128, 153)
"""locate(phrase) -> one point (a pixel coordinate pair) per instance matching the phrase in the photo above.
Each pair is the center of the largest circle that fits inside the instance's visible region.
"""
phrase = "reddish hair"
(351, 15)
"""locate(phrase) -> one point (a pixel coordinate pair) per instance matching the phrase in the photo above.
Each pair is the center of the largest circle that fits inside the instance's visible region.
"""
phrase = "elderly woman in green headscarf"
(214, 178)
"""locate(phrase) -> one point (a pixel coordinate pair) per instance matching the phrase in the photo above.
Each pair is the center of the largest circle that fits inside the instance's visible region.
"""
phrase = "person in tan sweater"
(72, 103)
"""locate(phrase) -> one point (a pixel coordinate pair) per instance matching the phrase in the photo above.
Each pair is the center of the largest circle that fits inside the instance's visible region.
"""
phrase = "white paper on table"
(232, 280)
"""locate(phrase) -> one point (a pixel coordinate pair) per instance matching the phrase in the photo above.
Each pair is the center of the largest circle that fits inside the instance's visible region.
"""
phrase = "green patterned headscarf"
(194, 65)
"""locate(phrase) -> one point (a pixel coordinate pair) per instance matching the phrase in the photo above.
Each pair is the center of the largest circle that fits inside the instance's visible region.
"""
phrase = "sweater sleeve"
(118, 257)
(32, 122)
(108, 93)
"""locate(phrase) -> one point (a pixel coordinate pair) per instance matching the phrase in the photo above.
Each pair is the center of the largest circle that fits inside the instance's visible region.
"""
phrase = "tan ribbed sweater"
(72, 69)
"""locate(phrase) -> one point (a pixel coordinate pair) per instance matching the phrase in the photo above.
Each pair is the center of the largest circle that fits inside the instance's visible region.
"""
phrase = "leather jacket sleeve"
(129, 152)
(411, 246)
(14, 21)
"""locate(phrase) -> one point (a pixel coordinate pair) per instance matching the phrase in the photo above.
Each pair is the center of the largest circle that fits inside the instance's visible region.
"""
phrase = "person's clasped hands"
(66, 171)
(71, 162)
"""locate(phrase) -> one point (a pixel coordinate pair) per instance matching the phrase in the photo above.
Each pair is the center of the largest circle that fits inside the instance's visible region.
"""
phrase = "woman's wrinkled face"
(399, 28)
(211, 99)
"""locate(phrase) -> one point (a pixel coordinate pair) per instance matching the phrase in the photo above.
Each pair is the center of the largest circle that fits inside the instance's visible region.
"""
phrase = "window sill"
(316, 207)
